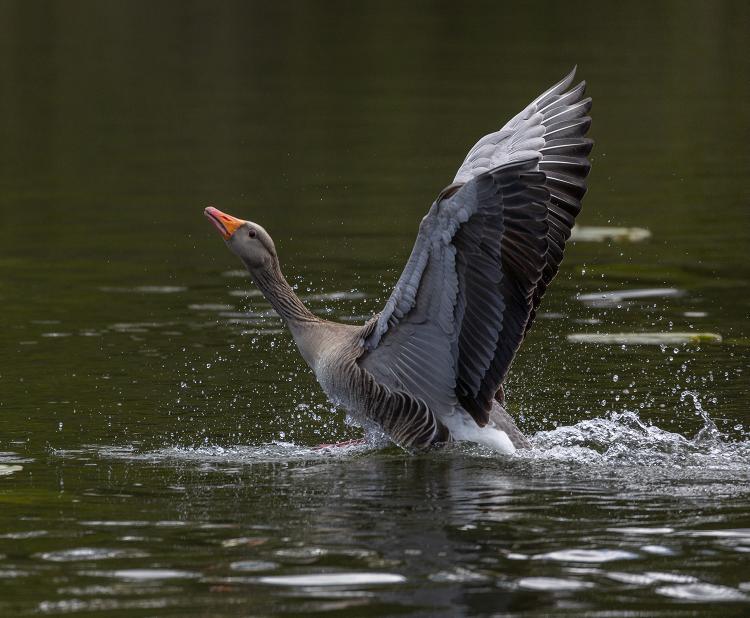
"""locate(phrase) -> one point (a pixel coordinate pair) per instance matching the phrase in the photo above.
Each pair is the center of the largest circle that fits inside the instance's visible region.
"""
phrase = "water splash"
(624, 439)
(617, 441)
(241, 454)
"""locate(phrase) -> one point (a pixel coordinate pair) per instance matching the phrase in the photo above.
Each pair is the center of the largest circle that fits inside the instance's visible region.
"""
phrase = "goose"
(429, 368)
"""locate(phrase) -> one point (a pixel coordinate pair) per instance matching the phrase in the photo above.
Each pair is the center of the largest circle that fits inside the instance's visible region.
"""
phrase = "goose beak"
(226, 224)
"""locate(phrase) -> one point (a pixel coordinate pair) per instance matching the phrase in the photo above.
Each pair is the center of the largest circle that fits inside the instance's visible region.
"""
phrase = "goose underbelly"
(463, 428)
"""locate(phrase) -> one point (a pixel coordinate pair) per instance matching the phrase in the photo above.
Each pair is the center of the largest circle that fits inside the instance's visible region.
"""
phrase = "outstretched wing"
(553, 129)
(459, 311)
(484, 255)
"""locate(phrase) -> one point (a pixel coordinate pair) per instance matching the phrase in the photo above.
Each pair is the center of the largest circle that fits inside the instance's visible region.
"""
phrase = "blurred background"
(126, 324)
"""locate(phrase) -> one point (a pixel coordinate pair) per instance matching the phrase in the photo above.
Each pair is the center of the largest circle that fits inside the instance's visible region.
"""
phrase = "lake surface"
(158, 427)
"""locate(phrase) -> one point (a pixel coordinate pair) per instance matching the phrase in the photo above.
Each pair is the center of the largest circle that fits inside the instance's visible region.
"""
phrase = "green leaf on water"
(672, 338)
(6, 469)
(603, 234)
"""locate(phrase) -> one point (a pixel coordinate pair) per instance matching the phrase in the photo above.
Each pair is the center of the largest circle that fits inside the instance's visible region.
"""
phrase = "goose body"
(428, 369)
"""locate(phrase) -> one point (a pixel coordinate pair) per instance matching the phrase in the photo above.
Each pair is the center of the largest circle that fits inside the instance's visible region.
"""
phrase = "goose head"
(247, 240)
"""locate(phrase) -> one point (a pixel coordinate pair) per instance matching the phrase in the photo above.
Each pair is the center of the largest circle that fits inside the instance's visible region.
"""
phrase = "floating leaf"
(673, 338)
(146, 289)
(603, 234)
(5, 469)
(616, 297)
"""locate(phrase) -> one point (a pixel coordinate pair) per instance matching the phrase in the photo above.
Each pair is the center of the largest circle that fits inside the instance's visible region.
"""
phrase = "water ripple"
(587, 555)
(552, 584)
(333, 579)
(253, 566)
(702, 593)
(89, 553)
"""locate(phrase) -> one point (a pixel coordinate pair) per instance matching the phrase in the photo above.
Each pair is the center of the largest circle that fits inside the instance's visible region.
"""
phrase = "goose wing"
(553, 129)
(484, 255)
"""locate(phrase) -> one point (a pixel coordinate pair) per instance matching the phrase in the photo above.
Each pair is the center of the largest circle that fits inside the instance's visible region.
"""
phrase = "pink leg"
(345, 443)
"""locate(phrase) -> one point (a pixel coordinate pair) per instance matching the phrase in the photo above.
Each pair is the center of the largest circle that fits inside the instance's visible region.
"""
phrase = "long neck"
(280, 294)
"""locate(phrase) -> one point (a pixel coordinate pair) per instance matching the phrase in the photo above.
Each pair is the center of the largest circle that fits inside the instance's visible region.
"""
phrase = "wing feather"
(484, 256)
(485, 248)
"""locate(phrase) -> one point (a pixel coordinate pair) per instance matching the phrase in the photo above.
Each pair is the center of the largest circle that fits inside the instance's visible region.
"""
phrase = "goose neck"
(280, 294)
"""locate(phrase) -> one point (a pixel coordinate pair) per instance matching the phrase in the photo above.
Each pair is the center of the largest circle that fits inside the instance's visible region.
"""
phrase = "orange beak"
(226, 224)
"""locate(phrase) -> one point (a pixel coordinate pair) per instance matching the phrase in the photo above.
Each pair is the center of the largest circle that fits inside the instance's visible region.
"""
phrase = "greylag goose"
(429, 368)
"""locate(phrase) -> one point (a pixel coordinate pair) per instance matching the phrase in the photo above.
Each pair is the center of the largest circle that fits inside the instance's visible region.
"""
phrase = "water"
(157, 426)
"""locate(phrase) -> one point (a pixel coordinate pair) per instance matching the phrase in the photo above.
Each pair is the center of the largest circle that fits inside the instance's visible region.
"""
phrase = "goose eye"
(251, 233)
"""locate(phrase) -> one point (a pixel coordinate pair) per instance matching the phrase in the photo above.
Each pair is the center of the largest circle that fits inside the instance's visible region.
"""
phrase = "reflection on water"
(158, 430)
(588, 513)
(461, 518)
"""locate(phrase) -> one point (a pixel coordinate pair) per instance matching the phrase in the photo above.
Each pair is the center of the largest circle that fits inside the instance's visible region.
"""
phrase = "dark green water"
(156, 423)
